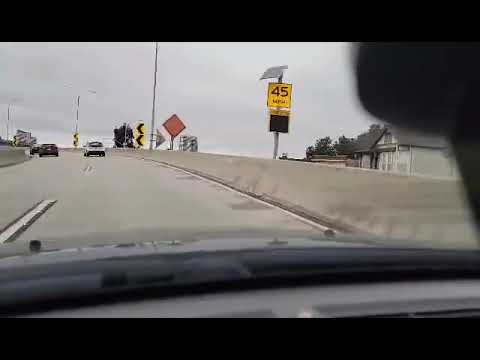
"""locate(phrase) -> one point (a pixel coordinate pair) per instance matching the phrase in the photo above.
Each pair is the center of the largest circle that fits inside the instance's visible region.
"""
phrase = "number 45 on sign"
(279, 95)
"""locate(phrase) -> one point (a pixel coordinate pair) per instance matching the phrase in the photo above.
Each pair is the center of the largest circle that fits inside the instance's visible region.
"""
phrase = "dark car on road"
(34, 149)
(48, 149)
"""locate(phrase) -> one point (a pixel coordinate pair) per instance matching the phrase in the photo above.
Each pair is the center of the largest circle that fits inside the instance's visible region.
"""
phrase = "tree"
(345, 146)
(374, 127)
(310, 151)
(322, 146)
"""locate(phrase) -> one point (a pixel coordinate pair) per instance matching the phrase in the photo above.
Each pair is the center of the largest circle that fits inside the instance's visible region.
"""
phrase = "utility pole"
(152, 127)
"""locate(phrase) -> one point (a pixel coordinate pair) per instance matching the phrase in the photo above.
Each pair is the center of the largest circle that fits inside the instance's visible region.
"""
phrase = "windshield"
(214, 146)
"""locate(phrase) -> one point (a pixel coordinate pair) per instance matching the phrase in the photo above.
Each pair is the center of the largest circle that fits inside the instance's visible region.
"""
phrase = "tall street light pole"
(10, 103)
(152, 127)
(8, 119)
(78, 104)
(78, 107)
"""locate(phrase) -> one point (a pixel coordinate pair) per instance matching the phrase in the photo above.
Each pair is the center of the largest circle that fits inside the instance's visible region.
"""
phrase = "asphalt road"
(117, 199)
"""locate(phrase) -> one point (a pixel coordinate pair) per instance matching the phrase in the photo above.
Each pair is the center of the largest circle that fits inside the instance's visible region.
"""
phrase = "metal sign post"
(276, 138)
(279, 96)
(276, 134)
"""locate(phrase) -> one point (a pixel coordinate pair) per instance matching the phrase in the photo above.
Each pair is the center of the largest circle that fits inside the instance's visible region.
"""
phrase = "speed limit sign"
(279, 95)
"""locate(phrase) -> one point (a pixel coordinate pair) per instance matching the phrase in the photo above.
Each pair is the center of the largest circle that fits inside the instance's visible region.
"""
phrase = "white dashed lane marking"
(12, 231)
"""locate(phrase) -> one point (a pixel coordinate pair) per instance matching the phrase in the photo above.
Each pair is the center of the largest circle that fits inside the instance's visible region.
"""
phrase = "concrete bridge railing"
(432, 211)
(11, 156)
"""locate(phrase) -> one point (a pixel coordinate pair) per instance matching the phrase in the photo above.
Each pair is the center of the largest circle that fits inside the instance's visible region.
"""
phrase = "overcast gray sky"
(213, 87)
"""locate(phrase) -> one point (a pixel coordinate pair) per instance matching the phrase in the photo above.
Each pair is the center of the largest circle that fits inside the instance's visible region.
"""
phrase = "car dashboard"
(445, 298)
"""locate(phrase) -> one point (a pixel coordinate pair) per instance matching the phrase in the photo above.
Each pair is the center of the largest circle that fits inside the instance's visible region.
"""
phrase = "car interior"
(429, 87)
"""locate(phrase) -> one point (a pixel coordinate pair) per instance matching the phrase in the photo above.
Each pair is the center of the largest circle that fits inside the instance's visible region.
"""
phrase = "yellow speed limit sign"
(279, 95)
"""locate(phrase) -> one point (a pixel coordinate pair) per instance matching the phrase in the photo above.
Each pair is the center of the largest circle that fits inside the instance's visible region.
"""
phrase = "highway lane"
(116, 199)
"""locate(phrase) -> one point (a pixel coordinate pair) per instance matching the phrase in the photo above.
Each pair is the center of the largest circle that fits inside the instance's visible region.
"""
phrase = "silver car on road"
(94, 148)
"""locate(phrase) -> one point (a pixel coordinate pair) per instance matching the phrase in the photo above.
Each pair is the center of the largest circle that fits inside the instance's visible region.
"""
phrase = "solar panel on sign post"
(274, 72)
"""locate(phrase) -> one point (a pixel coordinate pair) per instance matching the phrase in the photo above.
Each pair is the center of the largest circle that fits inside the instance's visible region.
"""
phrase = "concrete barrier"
(431, 211)
(70, 149)
(11, 156)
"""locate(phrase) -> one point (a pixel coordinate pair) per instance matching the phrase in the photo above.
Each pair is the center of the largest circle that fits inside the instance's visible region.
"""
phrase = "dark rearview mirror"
(423, 86)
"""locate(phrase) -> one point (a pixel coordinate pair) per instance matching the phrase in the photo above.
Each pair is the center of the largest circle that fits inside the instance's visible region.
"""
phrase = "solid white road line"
(25, 220)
